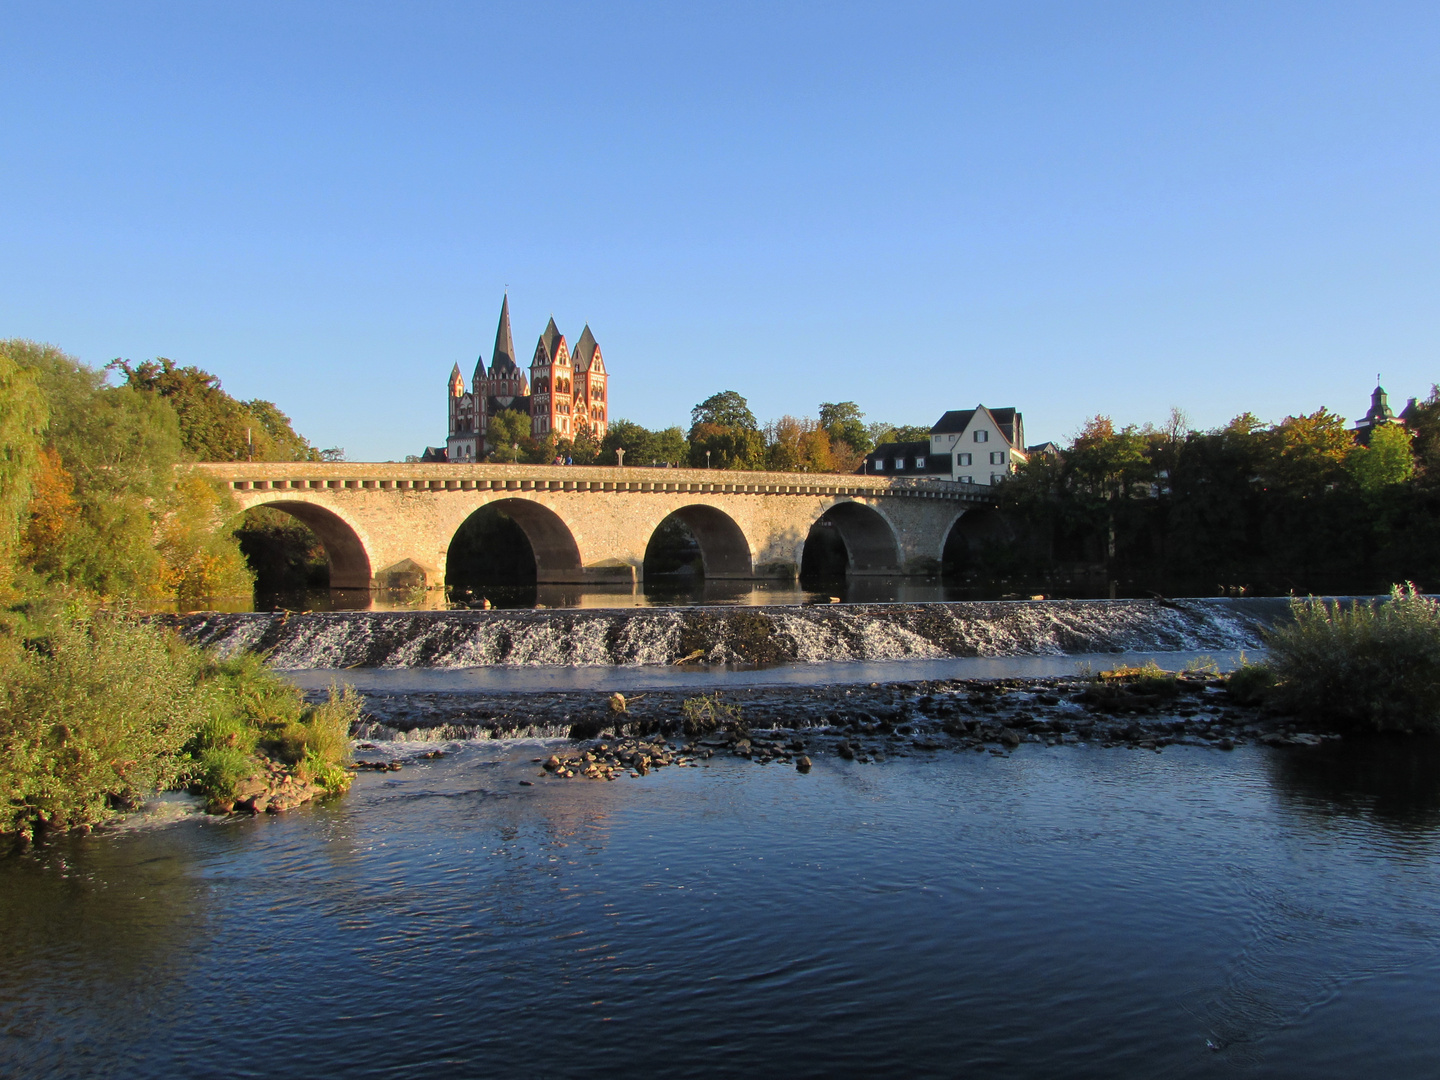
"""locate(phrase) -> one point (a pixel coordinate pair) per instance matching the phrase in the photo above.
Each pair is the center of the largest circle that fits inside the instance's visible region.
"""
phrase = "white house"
(973, 446)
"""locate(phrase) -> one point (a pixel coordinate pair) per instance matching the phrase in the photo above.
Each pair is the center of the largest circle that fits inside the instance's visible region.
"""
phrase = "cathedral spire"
(503, 355)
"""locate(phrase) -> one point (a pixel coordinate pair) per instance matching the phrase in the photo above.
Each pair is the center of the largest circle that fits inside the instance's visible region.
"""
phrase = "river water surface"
(1066, 911)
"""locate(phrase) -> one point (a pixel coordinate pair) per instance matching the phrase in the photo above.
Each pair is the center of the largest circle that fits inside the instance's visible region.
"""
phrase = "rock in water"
(802, 764)
(617, 702)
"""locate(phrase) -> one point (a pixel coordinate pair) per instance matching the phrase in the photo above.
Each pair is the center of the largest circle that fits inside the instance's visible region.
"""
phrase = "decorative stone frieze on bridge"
(389, 524)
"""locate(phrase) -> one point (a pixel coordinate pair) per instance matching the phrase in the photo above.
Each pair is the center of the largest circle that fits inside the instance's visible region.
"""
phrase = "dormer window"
(919, 463)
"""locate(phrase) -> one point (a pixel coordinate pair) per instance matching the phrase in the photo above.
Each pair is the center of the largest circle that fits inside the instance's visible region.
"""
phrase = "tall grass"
(1362, 664)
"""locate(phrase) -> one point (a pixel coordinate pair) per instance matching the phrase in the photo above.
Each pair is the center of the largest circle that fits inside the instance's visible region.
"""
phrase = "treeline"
(90, 507)
(1264, 508)
(723, 434)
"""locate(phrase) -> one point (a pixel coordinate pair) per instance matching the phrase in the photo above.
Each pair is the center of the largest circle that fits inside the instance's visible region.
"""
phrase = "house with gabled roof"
(971, 446)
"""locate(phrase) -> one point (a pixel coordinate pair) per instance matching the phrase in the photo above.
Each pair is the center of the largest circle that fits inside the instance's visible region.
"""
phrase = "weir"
(736, 636)
(392, 525)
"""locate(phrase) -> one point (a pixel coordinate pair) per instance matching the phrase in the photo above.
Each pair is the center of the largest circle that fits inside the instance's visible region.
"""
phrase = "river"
(1060, 910)
(1064, 911)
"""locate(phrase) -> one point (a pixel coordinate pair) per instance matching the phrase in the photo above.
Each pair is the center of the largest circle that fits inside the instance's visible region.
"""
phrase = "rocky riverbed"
(613, 737)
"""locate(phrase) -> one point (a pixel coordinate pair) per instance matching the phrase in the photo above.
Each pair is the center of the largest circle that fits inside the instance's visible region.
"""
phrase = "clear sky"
(1071, 208)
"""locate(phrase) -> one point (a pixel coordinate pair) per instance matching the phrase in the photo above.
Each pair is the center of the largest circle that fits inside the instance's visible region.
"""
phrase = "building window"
(898, 464)
(965, 480)
(982, 436)
(995, 478)
(964, 459)
(919, 463)
(878, 464)
(997, 459)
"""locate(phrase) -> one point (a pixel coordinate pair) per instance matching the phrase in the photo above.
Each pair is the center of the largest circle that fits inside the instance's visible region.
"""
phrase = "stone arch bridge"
(389, 524)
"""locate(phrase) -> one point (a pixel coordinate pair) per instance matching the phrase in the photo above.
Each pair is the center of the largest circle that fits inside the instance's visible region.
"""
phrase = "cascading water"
(736, 636)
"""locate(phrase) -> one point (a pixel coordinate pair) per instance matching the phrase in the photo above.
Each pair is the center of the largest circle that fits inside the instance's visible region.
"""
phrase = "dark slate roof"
(901, 449)
(953, 422)
(1005, 421)
(550, 340)
(502, 361)
(584, 350)
(957, 420)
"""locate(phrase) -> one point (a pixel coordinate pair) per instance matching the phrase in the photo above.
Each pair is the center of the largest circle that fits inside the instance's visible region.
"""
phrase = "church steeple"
(503, 356)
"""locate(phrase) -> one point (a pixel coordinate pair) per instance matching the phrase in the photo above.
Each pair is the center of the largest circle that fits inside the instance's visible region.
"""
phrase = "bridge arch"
(974, 533)
(723, 548)
(552, 545)
(345, 551)
(853, 537)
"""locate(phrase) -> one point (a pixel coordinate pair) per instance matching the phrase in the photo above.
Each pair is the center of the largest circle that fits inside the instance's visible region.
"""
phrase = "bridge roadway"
(389, 525)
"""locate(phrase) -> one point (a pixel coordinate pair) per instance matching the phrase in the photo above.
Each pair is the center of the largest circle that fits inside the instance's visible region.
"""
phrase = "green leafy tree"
(844, 422)
(668, 446)
(24, 414)
(717, 447)
(1385, 462)
(883, 433)
(213, 425)
(508, 433)
(726, 409)
(629, 436)
(107, 517)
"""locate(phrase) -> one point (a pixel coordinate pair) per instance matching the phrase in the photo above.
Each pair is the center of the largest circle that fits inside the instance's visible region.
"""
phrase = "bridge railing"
(389, 476)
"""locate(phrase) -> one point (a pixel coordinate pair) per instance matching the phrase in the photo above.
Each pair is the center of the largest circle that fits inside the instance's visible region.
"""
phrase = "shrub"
(92, 714)
(1250, 683)
(1363, 664)
(254, 710)
(704, 714)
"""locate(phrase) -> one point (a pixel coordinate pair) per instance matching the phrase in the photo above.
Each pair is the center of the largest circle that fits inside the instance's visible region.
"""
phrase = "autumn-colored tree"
(24, 414)
(1304, 454)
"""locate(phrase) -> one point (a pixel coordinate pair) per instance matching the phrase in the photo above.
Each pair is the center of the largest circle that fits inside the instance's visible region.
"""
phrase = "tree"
(883, 433)
(108, 518)
(795, 445)
(508, 432)
(726, 409)
(23, 418)
(718, 447)
(668, 446)
(844, 422)
(1303, 454)
(213, 425)
(1385, 462)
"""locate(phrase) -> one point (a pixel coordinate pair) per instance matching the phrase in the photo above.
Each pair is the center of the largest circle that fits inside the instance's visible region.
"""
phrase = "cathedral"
(564, 394)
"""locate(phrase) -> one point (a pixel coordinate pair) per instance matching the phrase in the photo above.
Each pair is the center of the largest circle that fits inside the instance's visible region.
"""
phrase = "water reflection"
(1391, 781)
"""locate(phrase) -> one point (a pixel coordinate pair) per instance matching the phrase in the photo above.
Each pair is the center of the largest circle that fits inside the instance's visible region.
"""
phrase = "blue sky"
(1069, 208)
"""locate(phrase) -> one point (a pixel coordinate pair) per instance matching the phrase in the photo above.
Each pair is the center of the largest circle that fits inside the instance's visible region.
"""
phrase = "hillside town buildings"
(565, 392)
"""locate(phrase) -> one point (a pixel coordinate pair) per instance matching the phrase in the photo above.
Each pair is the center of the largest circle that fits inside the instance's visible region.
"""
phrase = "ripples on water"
(1061, 912)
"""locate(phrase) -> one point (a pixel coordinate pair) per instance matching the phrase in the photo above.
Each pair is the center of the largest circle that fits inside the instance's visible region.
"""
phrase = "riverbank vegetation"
(1249, 509)
(99, 518)
(1359, 665)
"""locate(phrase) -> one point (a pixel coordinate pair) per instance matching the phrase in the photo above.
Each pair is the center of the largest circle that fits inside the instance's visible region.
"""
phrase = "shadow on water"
(1393, 782)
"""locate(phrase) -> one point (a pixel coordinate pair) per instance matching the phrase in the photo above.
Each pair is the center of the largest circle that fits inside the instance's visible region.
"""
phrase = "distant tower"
(590, 398)
(552, 383)
(460, 443)
(1379, 415)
